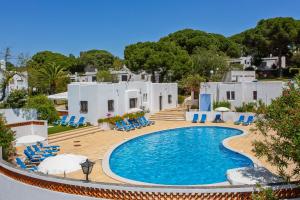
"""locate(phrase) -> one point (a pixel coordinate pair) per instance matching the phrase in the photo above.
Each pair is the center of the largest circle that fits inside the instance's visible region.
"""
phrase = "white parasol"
(29, 139)
(64, 163)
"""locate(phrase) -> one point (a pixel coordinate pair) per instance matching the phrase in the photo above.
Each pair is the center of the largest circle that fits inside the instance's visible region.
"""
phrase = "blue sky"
(70, 26)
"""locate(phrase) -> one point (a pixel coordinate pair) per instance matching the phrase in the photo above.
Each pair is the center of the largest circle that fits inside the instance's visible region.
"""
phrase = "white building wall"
(98, 94)
(266, 91)
(18, 115)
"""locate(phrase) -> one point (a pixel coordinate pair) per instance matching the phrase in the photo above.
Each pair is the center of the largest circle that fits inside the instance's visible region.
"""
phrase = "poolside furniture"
(142, 122)
(40, 153)
(240, 120)
(79, 123)
(203, 118)
(35, 159)
(249, 121)
(53, 147)
(147, 121)
(22, 165)
(218, 119)
(62, 120)
(72, 119)
(38, 150)
(128, 126)
(195, 118)
(134, 123)
(119, 127)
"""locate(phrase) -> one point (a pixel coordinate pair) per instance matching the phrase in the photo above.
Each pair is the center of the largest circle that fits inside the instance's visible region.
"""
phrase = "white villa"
(123, 74)
(239, 87)
(17, 82)
(97, 100)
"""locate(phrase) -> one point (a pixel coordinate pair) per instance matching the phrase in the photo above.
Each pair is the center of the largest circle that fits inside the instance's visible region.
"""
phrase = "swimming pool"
(182, 156)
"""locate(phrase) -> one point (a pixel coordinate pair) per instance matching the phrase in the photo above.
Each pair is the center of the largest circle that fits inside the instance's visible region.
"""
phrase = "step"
(168, 119)
(72, 136)
(73, 131)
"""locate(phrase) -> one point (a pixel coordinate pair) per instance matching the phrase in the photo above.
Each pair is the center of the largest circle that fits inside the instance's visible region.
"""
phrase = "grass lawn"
(57, 129)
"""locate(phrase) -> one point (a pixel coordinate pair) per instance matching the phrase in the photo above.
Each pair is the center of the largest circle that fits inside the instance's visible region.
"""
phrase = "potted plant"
(104, 123)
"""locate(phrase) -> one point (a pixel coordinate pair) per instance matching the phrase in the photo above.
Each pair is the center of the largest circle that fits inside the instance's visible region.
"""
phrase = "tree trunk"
(192, 95)
(279, 64)
(3, 91)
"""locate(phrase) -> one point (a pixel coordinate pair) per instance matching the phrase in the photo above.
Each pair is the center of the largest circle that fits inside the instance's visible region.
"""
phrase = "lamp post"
(87, 167)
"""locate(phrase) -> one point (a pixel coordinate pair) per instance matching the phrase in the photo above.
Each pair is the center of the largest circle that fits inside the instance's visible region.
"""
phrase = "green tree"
(280, 127)
(7, 137)
(16, 99)
(50, 78)
(164, 57)
(99, 59)
(105, 76)
(44, 107)
(209, 64)
(45, 58)
(271, 36)
(191, 40)
(295, 60)
(191, 83)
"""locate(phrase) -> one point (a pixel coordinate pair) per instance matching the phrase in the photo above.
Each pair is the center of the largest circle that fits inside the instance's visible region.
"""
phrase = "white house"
(244, 61)
(123, 74)
(237, 92)
(96, 100)
(18, 82)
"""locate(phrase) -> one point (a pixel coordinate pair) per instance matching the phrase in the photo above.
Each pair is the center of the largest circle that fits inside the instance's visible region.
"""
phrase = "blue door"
(205, 102)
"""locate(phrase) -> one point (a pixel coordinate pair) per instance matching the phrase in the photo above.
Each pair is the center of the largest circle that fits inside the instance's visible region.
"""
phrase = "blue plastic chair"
(38, 150)
(240, 120)
(203, 118)
(72, 119)
(218, 118)
(40, 153)
(79, 123)
(62, 120)
(249, 121)
(52, 148)
(134, 123)
(195, 118)
(33, 159)
(124, 124)
(24, 166)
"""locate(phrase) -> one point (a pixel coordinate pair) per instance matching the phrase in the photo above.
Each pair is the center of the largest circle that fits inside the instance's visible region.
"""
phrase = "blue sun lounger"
(249, 121)
(218, 119)
(129, 126)
(22, 165)
(72, 119)
(52, 147)
(79, 123)
(203, 118)
(60, 121)
(195, 118)
(240, 120)
(147, 121)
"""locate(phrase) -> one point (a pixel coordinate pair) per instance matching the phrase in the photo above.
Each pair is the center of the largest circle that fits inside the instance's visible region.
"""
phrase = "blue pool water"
(183, 156)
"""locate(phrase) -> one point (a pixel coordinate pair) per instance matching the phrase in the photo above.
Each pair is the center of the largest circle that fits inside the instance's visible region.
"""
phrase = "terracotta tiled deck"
(95, 145)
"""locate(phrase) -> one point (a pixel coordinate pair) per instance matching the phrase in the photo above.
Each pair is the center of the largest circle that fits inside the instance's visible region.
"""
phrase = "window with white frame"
(110, 105)
(145, 97)
(133, 103)
(83, 107)
(230, 95)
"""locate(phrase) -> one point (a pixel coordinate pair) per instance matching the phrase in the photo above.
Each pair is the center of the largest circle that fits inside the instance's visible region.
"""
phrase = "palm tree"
(6, 78)
(50, 76)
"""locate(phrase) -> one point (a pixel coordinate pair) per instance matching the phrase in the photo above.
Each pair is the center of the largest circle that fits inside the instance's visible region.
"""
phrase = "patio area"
(95, 144)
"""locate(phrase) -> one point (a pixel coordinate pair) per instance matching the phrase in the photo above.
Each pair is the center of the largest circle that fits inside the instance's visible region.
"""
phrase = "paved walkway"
(95, 145)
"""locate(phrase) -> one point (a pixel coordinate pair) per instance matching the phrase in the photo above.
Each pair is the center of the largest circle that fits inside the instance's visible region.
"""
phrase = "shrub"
(258, 107)
(181, 99)
(217, 104)
(44, 106)
(114, 119)
(16, 99)
(7, 136)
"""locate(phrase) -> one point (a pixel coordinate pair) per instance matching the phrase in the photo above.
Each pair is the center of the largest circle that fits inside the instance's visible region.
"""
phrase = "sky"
(71, 26)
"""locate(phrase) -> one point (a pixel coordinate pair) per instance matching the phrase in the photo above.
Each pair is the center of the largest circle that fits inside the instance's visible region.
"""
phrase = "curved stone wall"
(52, 187)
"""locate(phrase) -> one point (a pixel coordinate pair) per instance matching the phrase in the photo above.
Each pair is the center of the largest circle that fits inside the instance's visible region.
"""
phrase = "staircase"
(66, 135)
(175, 114)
